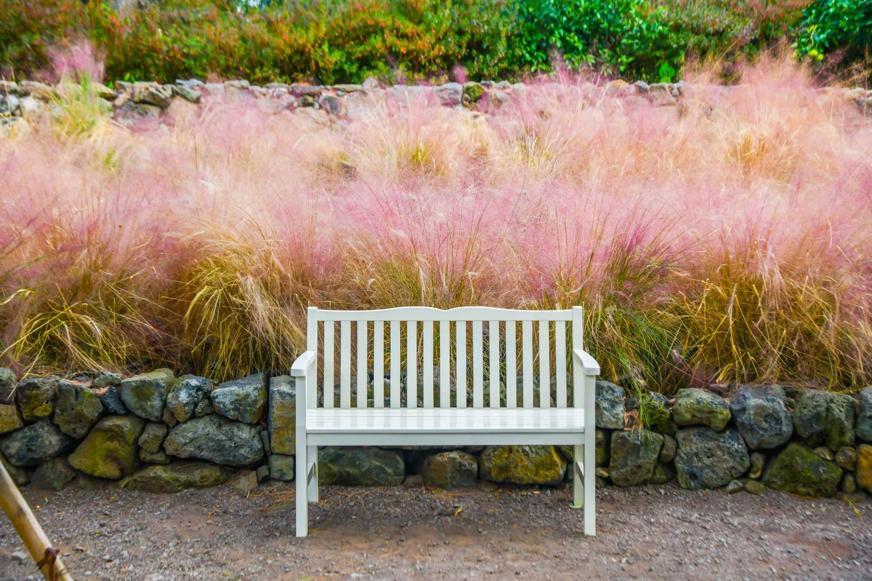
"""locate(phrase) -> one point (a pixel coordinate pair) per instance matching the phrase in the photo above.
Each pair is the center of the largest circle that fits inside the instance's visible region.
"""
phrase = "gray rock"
(824, 418)
(282, 415)
(187, 92)
(53, 475)
(243, 399)
(146, 394)
(799, 470)
(281, 467)
(152, 437)
(846, 457)
(758, 463)
(153, 457)
(332, 104)
(7, 385)
(849, 484)
(34, 444)
(217, 440)
(204, 408)
(262, 473)
(824, 453)
(734, 486)
(522, 464)
(30, 106)
(110, 449)
(709, 459)
(356, 466)
(152, 94)
(186, 394)
(106, 379)
(177, 477)
(20, 476)
(670, 447)
(762, 416)
(609, 406)
(450, 94)
(36, 396)
(111, 400)
(700, 407)
(77, 408)
(452, 469)
(864, 419)
(663, 472)
(755, 487)
(130, 113)
(36, 89)
(634, 455)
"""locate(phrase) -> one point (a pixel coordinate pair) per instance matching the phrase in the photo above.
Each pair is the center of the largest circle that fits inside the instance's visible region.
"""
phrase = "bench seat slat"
(438, 420)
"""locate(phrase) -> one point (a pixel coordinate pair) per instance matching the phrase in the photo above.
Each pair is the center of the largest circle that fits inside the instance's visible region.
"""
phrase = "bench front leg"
(303, 371)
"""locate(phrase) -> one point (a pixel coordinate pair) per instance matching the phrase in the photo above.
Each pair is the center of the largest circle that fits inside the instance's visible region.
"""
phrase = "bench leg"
(577, 478)
(301, 485)
(312, 468)
(589, 486)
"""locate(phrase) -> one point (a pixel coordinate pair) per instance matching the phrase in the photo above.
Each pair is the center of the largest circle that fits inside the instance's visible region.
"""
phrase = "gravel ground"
(397, 533)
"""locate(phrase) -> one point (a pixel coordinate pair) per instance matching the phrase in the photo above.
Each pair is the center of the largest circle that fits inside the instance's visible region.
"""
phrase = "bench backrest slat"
(470, 358)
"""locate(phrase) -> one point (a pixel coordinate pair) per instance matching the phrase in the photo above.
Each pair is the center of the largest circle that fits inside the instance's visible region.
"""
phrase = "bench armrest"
(587, 362)
(303, 364)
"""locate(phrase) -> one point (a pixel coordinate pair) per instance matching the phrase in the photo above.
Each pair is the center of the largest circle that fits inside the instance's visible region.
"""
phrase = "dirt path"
(396, 533)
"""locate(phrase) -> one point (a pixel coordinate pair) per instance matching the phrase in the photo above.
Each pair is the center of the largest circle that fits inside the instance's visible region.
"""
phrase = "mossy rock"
(710, 459)
(243, 400)
(864, 467)
(356, 466)
(177, 477)
(522, 464)
(634, 456)
(700, 407)
(186, 394)
(35, 443)
(472, 93)
(77, 408)
(10, 419)
(282, 415)
(824, 418)
(36, 397)
(452, 469)
(110, 449)
(799, 470)
(146, 394)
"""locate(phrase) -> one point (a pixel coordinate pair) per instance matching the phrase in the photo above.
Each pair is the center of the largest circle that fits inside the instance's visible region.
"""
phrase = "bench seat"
(444, 426)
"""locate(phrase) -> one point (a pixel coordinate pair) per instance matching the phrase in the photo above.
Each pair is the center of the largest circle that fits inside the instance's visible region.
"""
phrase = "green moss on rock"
(178, 477)
(110, 449)
(799, 470)
(522, 464)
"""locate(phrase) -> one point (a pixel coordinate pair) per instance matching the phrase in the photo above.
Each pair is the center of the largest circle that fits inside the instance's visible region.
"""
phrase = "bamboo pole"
(46, 557)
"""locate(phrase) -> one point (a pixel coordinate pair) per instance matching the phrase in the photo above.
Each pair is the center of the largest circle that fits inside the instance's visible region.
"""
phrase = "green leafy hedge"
(334, 41)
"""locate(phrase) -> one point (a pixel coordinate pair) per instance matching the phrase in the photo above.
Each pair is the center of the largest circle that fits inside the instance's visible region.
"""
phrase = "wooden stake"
(44, 555)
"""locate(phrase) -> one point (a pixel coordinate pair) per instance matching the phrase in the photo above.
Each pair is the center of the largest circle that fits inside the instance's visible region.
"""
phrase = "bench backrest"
(432, 358)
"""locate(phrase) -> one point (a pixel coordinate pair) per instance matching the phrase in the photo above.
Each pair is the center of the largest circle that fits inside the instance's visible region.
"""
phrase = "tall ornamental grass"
(726, 239)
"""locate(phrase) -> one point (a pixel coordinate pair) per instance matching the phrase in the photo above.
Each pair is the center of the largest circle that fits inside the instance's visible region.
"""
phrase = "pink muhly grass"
(659, 219)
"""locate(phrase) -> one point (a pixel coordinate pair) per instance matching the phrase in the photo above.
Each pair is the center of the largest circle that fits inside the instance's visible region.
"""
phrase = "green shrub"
(829, 26)
(337, 41)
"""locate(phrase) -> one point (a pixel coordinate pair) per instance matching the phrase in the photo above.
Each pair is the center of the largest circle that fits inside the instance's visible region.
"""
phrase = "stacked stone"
(162, 433)
(145, 102)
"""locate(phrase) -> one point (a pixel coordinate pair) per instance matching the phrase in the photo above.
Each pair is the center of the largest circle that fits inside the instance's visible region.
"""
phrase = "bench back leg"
(312, 469)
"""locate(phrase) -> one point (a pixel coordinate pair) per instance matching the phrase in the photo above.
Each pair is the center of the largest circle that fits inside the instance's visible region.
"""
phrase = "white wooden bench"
(435, 408)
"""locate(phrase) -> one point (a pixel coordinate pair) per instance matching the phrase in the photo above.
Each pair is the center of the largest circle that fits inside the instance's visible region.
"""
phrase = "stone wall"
(147, 102)
(162, 433)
